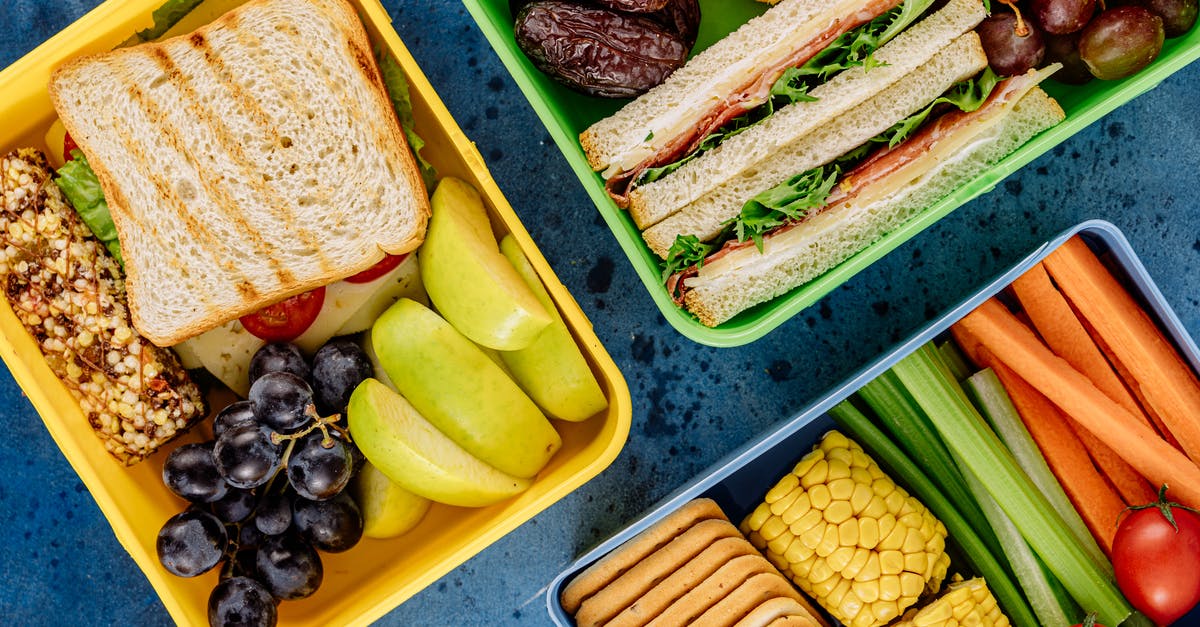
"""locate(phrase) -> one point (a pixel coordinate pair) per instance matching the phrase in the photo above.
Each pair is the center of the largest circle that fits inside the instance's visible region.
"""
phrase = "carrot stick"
(1075, 394)
(1164, 380)
(1095, 500)
(1056, 323)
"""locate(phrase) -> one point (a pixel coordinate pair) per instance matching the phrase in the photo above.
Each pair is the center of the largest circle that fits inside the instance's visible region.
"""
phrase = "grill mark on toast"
(214, 188)
(278, 205)
(279, 80)
(197, 230)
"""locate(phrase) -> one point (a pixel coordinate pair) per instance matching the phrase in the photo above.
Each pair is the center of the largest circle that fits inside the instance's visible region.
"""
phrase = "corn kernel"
(851, 605)
(759, 516)
(883, 487)
(797, 552)
(780, 506)
(807, 462)
(783, 488)
(772, 528)
(889, 588)
(876, 508)
(868, 533)
(914, 542)
(838, 512)
(812, 537)
(866, 591)
(911, 585)
(870, 570)
(809, 520)
(885, 611)
(800, 572)
(917, 563)
(848, 533)
(912, 520)
(821, 573)
(894, 540)
(816, 475)
(843, 456)
(840, 558)
(839, 592)
(835, 439)
(829, 541)
(841, 489)
(856, 563)
(891, 562)
(860, 497)
(819, 496)
(798, 508)
(895, 501)
(781, 542)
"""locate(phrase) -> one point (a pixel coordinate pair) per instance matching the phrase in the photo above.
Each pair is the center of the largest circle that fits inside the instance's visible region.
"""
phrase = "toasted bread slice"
(255, 158)
(632, 551)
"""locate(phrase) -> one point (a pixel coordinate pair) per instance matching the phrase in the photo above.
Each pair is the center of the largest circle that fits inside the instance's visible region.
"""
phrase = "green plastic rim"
(566, 114)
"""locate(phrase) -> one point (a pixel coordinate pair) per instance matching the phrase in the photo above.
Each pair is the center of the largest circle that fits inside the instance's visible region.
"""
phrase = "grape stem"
(324, 423)
(1021, 29)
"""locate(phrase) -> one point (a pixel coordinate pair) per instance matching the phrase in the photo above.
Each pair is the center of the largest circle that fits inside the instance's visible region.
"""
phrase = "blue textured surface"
(692, 404)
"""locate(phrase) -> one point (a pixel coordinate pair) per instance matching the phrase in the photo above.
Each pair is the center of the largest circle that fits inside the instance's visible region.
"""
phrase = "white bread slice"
(745, 277)
(626, 138)
(911, 49)
(256, 158)
(963, 58)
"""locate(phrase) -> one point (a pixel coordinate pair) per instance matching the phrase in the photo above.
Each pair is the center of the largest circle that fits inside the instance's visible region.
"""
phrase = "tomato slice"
(385, 265)
(286, 320)
(68, 145)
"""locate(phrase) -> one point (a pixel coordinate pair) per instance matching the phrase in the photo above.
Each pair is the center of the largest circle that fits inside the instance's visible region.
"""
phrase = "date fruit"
(596, 51)
(682, 17)
(633, 6)
(1119, 42)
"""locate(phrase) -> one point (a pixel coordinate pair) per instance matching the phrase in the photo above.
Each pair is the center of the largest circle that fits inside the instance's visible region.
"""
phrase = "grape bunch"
(268, 491)
(1105, 39)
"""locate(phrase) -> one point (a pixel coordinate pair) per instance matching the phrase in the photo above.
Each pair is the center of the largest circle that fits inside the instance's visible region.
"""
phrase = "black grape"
(279, 400)
(1119, 42)
(274, 515)
(241, 602)
(333, 526)
(1008, 53)
(191, 472)
(191, 543)
(235, 506)
(1178, 16)
(246, 456)
(234, 414)
(289, 566)
(316, 472)
(1059, 17)
(279, 357)
(338, 367)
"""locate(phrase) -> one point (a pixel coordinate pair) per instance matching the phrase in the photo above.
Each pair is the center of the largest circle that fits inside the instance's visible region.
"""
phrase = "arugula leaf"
(967, 95)
(79, 184)
(167, 16)
(397, 88)
(789, 201)
(687, 251)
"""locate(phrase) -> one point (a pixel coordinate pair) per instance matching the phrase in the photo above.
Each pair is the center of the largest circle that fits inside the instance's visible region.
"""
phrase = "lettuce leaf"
(966, 95)
(687, 251)
(167, 16)
(79, 184)
(397, 88)
(791, 200)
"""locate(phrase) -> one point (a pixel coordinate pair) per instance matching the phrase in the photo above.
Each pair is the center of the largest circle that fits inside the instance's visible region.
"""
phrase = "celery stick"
(906, 473)
(1049, 600)
(954, 360)
(990, 396)
(965, 433)
(911, 430)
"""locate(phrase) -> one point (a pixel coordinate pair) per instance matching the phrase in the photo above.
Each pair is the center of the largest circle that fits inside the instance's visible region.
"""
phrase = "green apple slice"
(552, 370)
(454, 385)
(468, 280)
(409, 450)
(388, 510)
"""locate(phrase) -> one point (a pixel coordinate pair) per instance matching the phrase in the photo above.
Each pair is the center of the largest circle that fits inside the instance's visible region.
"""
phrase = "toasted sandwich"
(253, 159)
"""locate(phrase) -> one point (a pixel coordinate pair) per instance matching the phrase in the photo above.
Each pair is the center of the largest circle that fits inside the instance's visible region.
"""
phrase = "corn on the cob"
(69, 294)
(848, 536)
(964, 603)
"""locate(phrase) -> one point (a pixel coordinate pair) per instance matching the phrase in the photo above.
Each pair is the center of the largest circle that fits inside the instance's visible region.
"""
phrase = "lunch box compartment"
(566, 114)
(364, 583)
(739, 481)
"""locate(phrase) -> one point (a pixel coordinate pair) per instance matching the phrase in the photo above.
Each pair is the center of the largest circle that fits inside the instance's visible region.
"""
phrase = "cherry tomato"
(385, 265)
(286, 320)
(1156, 556)
(68, 145)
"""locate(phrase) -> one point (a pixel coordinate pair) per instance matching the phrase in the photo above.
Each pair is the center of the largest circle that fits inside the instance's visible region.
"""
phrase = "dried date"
(597, 51)
(633, 6)
(681, 17)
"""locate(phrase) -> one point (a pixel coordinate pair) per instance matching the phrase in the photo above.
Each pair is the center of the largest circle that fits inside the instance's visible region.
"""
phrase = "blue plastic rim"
(738, 481)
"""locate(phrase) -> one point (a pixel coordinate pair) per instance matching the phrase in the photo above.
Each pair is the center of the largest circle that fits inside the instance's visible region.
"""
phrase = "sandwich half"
(256, 158)
(768, 252)
(783, 52)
